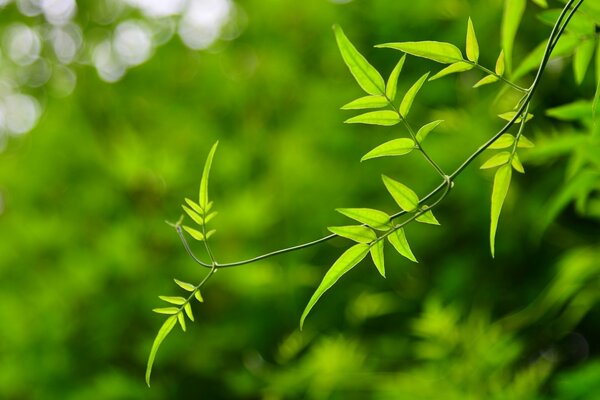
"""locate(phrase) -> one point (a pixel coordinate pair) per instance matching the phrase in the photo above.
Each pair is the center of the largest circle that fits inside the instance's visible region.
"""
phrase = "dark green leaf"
(374, 218)
(405, 197)
(441, 52)
(396, 147)
(501, 185)
(164, 330)
(472, 45)
(203, 200)
(392, 84)
(377, 101)
(426, 129)
(410, 95)
(358, 233)
(398, 240)
(378, 256)
(385, 118)
(460, 66)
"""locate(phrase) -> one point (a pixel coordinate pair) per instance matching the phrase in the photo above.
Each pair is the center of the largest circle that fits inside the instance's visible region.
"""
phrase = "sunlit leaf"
(441, 52)
(210, 233)
(392, 84)
(516, 164)
(358, 233)
(166, 310)
(508, 116)
(345, 263)
(541, 3)
(426, 129)
(184, 285)
(194, 206)
(164, 330)
(496, 160)
(365, 74)
(365, 102)
(575, 111)
(181, 320)
(460, 66)
(500, 64)
(404, 196)
(188, 311)
(396, 147)
(385, 118)
(472, 45)
(582, 58)
(504, 141)
(210, 216)
(410, 95)
(203, 198)
(511, 18)
(398, 240)
(500, 188)
(374, 218)
(378, 256)
(194, 233)
(198, 296)
(565, 46)
(427, 218)
(193, 215)
(173, 299)
(525, 143)
(486, 80)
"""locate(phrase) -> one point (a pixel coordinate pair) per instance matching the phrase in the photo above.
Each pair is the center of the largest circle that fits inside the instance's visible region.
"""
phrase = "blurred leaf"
(358, 233)
(209, 217)
(193, 215)
(460, 66)
(580, 23)
(486, 80)
(583, 56)
(500, 64)
(441, 52)
(194, 233)
(472, 45)
(496, 160)
(404, 196)
(499, 191)
(576, 111)
(184, 285)
(511, 19)
(164, 330)
(194, 206)
(166, 310)
(385, 118)
(203, 199)
(564, 46)
(410, 95)
(374, 218)
(377, 101)
(396, 147)
(210, 233)
(508, 116)
(181, 320)
(392, 84)
(398, 240)
(525, 143)
(426, 129)
(506, 140)
(541, 3)
(173, 299)
(377, 255)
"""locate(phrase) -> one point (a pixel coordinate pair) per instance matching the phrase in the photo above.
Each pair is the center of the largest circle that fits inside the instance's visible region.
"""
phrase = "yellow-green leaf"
(499, 191)
(385, 118)
(365, 102)
(181, 320)
(486, 80)
(410, 95)
(428, 218)
(472, 45)
(194, 233)
(210, 233)
(396, 147)
(374, 218)
(164, 330)
(184, 285)
(188, 311)
(198, 296)
(173, 299)
(511, 18)
(508, 116)
(582, 58)
(398, 240)
(203, 197)
(426, 129)
(504, 141)
(210, 216)
(376, 251)
(345, 263)
(193, 215)
(525, 143)
(391, 86)
(500, 65)
(496, 160)
(404, 196)
(460, 66)
(166, 310)
(441, 52)
(516, 164)
(358, 233)
(194, 206)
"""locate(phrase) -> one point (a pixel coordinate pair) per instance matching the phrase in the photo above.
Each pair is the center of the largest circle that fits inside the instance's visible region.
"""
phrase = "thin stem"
(420, 148)
(500, 77)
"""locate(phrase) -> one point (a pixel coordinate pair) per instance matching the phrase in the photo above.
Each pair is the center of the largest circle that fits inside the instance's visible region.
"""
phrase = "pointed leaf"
(365, 74)
(366, 102)
(541, 3)
(472, 45)
(486, 80)
(392, 84)
(410, 95)
(210, 216)
(501, 185)
(194, 233)
(460, 66)
(173, 299)
(188, 311)
(583, 57)
(504, 141)
(164, 330)
(358, 233)
(496, 160)
(210, 233)
(441, 52)
(385, 118)
(194, 206)
(516, 164)
(525, 143)
(345, 263)
(374, 218)
(396, 147)
(577, 110)
(181, 320)
(184, 285)
(428, 218)
(198, 296)
(508, 116)
(193, 215)
(426, 129)
(500, 66)
(376, 251)
(203, 197)
(564, 46)
(166, 310)
(511, 18)
(398, 240)
(405, 197)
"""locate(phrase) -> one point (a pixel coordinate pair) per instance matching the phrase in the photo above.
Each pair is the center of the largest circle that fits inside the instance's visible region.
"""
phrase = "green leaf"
(365, 74)
(441, 52)
(496, 160)
(501, 185)
(198, 296)
(374, 218)
(385, 118)
(194, 206)
(472, 45)
(377, 101)
(405, 197)
(460, 66)
(541, 3)
(504, 141)
(164, 330)
(396, 147)
(188, 310)
(193, 215)
(345, 263)
(578, 110)
(194, 233)
(500, 64)
(410, 95)
(582, 58)
(210, 216)
(166, 310)
(427, 218)
(511, 18)
(358, 233)
(398, 240)
(426, 129)
(181, 320)
(184, 285)
(203, 198)
(508, 116)
(378, 257)
(525, 143)
(392, 84)
(565, 46)
(516, 164)
(210, 233)
(486, 80)
(173, 299)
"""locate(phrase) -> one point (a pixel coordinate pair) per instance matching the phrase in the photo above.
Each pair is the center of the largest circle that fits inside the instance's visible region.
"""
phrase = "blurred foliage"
(84, 249)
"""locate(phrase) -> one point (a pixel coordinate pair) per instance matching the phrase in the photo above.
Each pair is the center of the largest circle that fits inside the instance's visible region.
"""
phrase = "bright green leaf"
(396, 147)
(198, 296)
(358, 233)
(374, 218)
(541, 3)
(184, 285)
(203, 198)
(164, 330)
(210, 216)
(511, 18)
(365, 74)
(173, 299)
(385, 118)
(193, 215)
(377, 101)
(504, 141)
(508, 116)
(516, 164)
(188, 311)
(577, 110)
(472, 45)
(427, 218)
(441, 52)
(181, 320)
(496, 160)
(486, 80)
(392, 84)
(525, 143)
(378, 256)
(194, 233)
(398, 240)
(405, 197)
(582, 58)
(194, 206)
(210, 233)
(500, 64)
(460, 66)
(410, 95)
(565, 46)
(345, 263)
(166, 310)
(501, 185)
(426, 129)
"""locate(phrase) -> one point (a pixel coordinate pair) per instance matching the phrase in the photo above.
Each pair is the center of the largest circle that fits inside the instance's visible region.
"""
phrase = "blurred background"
(107, 112)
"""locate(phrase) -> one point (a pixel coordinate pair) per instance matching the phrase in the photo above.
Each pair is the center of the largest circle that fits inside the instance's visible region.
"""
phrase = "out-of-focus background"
(107, 112)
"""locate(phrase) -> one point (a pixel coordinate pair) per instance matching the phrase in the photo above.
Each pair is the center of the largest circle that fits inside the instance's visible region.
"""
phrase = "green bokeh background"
(84, 250)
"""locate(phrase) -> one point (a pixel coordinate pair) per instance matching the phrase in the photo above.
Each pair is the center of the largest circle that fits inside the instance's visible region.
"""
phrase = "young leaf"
(577, 110)
(193, 215)
(541, 3)
(365, 74)
(426, 129)
(398, 240)
(511, 18)
(583, 57)
(164, 330)
(198, 296)
(427, 218)
(504, 141)
(210, 216)
(184, 285)
(173, 299)
(194, 206)
(460, 66)
(410, 95)
(525, 143)
(516, 164)
(497, 159)
(405, 197)
(501, 184)
(366, 102)
(377, 256)
(166, 310)
(392, 84)
(210, 233)
(500, 67)
(472, 45)
(374, 218)
(203, 198)
(188, 311)
(194, 233)
(396, 147)
(486, 80)
(385, 118)
(345, 263)
(358, 233)
(181, 320)
(441, 52)
(508, 116)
